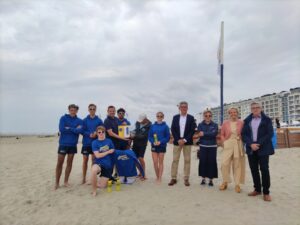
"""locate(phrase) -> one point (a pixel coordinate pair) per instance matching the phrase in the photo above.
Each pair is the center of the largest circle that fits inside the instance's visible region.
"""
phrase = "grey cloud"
(142, 55)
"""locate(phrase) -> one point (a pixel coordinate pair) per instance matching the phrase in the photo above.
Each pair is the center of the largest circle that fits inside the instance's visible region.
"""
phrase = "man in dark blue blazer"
(257, 135)
(182, 128)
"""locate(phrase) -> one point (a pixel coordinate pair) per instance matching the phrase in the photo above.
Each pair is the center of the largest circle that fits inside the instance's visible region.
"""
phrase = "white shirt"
(182, 122)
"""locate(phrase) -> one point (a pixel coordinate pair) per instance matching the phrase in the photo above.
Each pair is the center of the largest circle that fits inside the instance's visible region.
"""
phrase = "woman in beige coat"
(233, 153)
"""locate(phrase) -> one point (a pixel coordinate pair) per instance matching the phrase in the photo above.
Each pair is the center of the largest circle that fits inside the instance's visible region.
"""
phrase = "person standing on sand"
(233, 152)
(257, 135)
(70, 126)
(140, 139)
(111, 125)
(90, 124)
(159, 136)
(103, 149)
(182, 128)
(123, 121)
(208, 131)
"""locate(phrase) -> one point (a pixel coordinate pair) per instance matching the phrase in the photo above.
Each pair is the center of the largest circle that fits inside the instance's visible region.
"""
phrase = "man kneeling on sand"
(103, 149)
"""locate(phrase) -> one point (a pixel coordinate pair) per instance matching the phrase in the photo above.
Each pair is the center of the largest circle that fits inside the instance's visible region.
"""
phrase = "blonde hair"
(102, 128)
(233, 108)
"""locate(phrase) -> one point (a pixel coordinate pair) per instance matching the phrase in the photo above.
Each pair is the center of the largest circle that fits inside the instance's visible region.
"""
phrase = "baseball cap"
(142, 116)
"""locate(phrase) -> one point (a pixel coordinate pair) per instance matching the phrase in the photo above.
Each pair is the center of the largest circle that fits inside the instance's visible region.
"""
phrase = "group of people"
(251, 136)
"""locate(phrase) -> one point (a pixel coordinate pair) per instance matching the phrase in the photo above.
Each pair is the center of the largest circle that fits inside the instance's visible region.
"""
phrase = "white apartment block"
(284, 105)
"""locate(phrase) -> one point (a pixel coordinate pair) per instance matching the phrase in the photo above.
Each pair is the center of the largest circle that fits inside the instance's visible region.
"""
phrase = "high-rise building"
(284, 105)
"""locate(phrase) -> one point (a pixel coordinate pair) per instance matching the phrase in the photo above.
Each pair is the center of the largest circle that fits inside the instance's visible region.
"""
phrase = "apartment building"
(284, 105)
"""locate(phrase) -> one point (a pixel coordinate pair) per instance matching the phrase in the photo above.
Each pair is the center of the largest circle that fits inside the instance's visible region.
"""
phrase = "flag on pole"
(221, 49)
(221, 71)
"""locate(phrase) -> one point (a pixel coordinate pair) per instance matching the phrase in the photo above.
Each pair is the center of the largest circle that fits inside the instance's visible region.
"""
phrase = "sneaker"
(210, 183)
(203, 182)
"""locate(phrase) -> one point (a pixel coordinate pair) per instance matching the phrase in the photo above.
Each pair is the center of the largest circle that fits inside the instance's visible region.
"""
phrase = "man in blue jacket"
(90, 124)
(70, 126)
(257, 135)
(182, 128)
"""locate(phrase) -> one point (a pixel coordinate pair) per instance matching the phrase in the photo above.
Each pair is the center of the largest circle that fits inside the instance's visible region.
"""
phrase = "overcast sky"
(145, 56)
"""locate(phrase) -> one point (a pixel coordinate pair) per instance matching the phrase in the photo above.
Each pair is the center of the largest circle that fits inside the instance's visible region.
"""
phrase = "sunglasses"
(159, 116)
(92, 109)
(207, 116)
(101, 132)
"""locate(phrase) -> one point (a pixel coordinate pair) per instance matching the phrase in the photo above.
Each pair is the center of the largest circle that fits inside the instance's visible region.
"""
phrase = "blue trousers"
(208, 162)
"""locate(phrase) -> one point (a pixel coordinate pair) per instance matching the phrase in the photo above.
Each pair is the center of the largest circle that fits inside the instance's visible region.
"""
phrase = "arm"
(62, 127)
(173, 130)
(222, 135)
(103, 154)
(212, 133)
(84, 129)
(78, 129)
(245, 135)
(192, 129)
(268, 135)
(166, 137)
(112, 134)
(150, 135)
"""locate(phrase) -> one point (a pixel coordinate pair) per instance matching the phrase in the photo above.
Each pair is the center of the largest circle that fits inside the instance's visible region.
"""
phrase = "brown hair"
(111, 107)
(73, 106)
(92, 104)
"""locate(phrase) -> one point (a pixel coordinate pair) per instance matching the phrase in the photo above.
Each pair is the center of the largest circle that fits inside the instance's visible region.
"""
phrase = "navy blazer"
(189, 130)
(264, 135)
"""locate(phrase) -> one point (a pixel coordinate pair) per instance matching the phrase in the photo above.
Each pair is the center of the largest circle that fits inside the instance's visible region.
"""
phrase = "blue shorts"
(67, 150)
(86, 150)
(105, 172)
(158, 149)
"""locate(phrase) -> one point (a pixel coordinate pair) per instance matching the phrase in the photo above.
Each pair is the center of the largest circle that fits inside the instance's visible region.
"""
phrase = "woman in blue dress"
(207, 132)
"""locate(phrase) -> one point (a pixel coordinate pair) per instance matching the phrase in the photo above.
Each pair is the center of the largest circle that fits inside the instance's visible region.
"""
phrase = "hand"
(124, 123)
(181, 142)
(157, 143)
(201, 133)
(110, 151)
(254, 147)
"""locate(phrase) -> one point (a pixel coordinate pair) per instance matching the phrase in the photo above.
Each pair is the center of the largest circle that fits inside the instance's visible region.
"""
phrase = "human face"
(183, 109)
(111, 112)
(160, 117)
(233, 114)
(73, 112)
(101, 134)
(256, 109)
(92, 110)
(121, 115)
(207, 117)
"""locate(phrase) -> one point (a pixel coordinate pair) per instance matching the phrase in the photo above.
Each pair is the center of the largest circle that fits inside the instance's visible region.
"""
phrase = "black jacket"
(189, 130)
(264, 135)
(141, 134)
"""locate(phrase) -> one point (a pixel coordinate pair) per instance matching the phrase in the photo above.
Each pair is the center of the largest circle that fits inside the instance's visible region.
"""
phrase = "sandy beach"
(27, 168)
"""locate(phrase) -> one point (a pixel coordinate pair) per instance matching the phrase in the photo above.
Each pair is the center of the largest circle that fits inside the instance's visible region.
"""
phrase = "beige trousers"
(187, 160)
(236, 161)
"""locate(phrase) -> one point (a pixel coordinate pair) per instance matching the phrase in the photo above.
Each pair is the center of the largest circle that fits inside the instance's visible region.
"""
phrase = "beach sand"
(27, 168)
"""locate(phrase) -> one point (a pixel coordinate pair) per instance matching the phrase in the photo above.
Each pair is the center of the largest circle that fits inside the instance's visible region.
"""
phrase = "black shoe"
(210, 183)
(203, 182)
